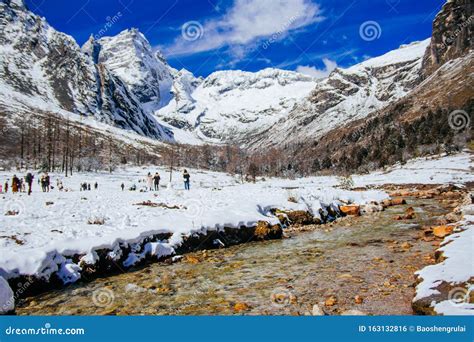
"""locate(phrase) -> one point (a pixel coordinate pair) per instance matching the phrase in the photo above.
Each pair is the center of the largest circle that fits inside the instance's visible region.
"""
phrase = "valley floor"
(61, 233)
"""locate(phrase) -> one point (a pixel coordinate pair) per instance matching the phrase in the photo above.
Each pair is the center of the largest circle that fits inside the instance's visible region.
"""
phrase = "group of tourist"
(87, 186)
(25, 184)
(153, 182)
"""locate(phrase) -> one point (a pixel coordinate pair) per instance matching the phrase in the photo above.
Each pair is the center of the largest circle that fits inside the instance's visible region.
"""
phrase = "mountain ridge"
(122, 82)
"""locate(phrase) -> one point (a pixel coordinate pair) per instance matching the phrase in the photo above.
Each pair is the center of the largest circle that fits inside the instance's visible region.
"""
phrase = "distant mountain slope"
(347, 95)
(230, 106)
(276, 107)
(420, 123)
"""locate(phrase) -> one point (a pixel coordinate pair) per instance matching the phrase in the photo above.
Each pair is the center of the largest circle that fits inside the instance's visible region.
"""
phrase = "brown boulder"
(397, 201)
(442, 231)
(300, 217)
(265, 231)
(451, 195)
(352, 210)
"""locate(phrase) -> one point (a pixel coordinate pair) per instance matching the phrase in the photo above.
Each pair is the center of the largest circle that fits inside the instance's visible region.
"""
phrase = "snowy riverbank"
(447, 287)
(49, 227)
(62, 234)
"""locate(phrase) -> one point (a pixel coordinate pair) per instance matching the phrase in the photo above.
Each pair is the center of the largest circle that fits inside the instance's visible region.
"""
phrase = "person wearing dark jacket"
(186, 177)
(47, 182)
(16, 184)
(29, 180)
(156, 181)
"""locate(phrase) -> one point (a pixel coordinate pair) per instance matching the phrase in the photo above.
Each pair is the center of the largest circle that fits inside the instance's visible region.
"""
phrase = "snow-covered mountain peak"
(130, 57)
(232, 105)
(405, 53)
(227, 80)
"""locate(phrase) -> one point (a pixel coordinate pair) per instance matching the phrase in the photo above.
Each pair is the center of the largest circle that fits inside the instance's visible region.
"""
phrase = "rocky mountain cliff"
(129, 57)
(43, 68)
(452, 35)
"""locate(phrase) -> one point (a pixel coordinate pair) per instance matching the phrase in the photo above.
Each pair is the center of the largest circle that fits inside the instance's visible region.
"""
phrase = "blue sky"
(311, 36)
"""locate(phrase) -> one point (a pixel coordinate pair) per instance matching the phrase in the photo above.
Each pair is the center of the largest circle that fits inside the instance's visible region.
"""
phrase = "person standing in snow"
(122, 186)
(156, 181)
(47, 182)
(149, 181)
(96, 186)
(6, 186)
(29, 180)
(16, 185)
(186, 177)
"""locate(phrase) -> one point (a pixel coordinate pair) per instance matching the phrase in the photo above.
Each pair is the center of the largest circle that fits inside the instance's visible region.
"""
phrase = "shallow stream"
(373, 257)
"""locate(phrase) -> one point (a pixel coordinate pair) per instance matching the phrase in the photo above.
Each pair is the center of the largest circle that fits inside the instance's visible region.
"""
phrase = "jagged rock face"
(38, 61)
(124, 108)
(184, 84)
(42, 66)
(452, 35)
(347, 95)
(130, 58)
(232, 106)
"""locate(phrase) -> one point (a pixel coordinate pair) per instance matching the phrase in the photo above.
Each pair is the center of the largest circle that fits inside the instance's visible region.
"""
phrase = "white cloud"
(329, 66)
(248, 21)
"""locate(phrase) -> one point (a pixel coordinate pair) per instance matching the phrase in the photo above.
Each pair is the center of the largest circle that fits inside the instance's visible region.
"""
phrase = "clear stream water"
(373, 257)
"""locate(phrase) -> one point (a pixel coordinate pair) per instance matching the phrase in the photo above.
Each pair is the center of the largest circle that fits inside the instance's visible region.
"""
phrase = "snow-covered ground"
(454, 169)
(457, 269)
(55, 224)
(51, 227)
